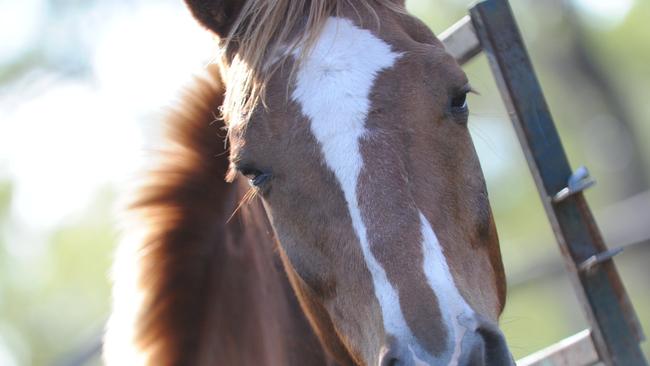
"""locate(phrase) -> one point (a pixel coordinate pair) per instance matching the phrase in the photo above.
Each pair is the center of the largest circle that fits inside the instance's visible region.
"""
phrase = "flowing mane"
(197, 284)
(273, 31)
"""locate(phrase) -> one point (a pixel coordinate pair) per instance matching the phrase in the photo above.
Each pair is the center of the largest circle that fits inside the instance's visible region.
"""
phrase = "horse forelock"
(264, 35)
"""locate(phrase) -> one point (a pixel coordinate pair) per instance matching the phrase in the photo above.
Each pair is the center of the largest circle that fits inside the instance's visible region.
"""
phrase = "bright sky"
(60, 139)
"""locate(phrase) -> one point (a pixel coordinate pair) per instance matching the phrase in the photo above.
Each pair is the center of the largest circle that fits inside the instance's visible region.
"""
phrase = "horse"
(342, 218)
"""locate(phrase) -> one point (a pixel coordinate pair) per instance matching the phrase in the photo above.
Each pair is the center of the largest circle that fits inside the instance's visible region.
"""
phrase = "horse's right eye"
(255, 177)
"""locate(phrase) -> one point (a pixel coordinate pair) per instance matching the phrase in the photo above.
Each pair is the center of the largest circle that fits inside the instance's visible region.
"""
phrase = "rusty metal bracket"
(589, 263)
(578, 182)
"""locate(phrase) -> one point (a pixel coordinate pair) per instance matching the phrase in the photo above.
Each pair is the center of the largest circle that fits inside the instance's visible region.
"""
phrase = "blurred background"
(82, 87)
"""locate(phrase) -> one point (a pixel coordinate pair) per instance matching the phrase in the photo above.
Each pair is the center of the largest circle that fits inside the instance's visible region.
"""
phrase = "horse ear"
(216, 15)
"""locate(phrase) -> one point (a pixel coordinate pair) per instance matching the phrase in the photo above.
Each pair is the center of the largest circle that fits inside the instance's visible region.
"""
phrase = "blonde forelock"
(272, 30)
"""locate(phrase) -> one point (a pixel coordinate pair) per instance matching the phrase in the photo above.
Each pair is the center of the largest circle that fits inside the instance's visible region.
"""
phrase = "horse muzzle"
(485, 345)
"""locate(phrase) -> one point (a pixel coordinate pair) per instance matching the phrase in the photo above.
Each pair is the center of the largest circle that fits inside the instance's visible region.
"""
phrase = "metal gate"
(615, 333)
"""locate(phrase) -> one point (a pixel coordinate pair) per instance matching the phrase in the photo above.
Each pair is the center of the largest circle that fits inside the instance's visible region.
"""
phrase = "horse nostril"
(494, 347)
(389, 357)
(393, 354)
(389, 361)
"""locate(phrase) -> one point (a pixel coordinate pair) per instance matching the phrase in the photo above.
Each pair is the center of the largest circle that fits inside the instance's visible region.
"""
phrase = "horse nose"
(487, 347)
(482, 345)
(395, 354)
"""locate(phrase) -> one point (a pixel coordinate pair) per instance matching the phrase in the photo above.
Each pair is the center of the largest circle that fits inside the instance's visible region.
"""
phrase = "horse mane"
(191, 287)
(265, 34)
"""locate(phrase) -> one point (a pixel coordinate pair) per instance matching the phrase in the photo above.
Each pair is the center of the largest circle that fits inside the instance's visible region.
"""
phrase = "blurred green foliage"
(56, 300)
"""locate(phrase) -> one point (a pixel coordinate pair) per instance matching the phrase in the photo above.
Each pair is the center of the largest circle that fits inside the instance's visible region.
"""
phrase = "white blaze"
(332, 87)
(453, 307)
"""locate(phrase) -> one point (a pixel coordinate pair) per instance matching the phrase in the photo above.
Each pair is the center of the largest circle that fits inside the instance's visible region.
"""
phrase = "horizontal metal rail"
(577, 350)
(460, 40)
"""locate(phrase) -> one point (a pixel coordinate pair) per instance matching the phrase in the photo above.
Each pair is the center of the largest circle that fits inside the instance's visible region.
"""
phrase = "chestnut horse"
(347, 145)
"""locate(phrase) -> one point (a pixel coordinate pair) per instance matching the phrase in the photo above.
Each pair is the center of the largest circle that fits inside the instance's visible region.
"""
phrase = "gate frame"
(615, 332)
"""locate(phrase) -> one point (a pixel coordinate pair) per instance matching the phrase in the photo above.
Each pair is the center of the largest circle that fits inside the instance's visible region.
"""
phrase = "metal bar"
(577, 350)
(615, 328)
(460, 40)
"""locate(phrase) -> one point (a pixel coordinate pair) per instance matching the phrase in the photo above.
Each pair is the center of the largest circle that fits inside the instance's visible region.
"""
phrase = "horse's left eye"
(459, 102)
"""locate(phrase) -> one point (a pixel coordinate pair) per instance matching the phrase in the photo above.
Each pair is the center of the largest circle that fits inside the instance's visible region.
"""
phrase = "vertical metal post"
(615, 328)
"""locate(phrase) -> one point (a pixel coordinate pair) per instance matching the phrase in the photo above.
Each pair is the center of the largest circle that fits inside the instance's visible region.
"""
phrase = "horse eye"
(459, 102)
(256, 178)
